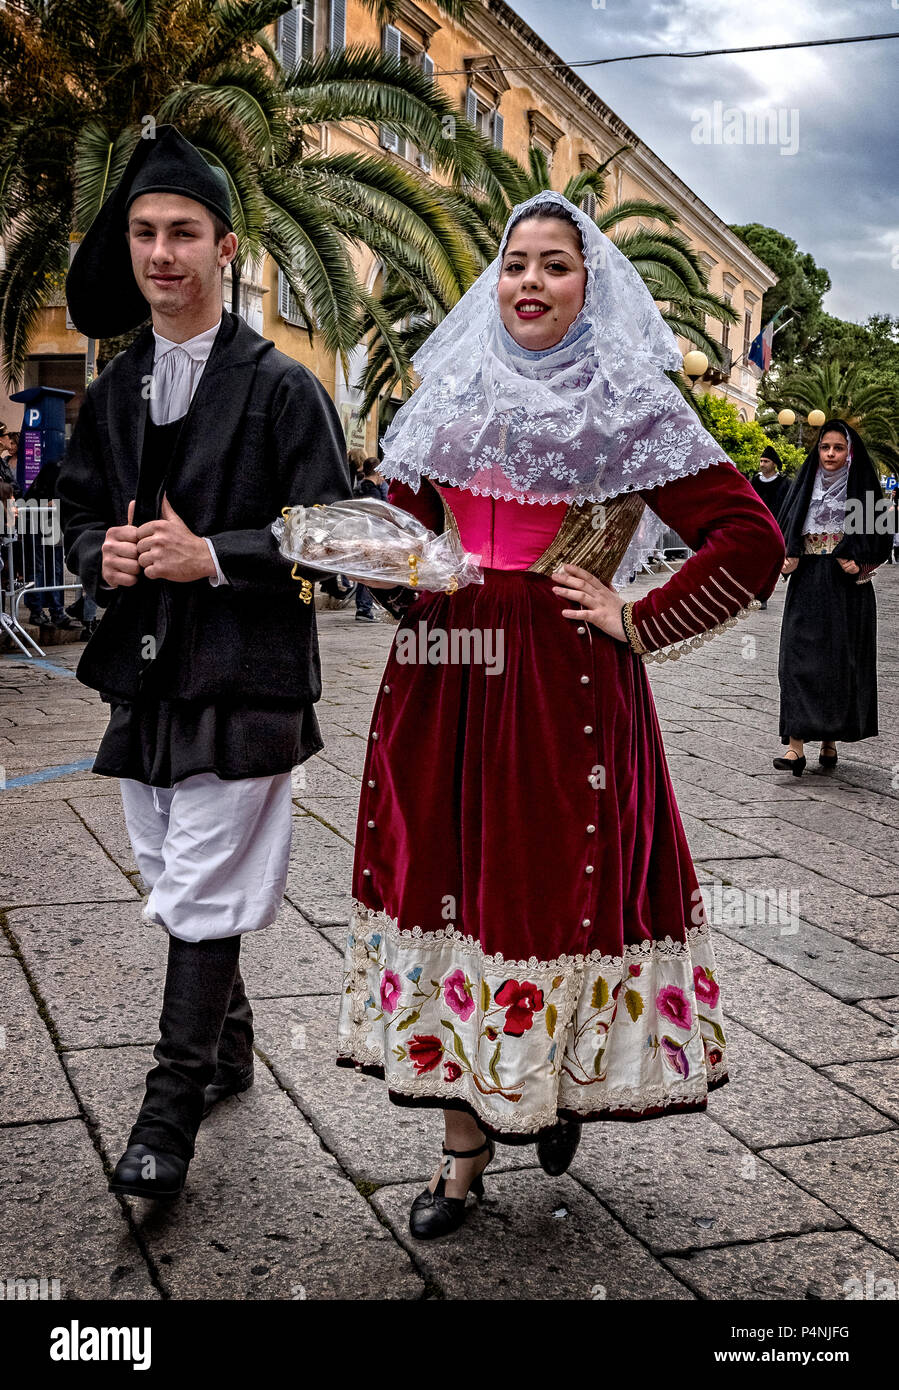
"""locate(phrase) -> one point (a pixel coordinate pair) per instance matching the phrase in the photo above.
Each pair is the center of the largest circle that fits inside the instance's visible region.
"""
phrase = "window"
(398, 45)
(288, 307)
(725, 327)
(296, 33)
(747, 332)
(485, 118)
(588, 204)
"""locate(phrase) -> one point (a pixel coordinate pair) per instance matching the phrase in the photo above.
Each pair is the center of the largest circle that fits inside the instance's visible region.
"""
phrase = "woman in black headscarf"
(835, 536)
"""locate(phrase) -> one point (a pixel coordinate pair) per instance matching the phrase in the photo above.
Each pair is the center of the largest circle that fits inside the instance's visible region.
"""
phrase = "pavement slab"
(267, 1213)
(802, 1020)
(877, 1082)
(868, 922)
(681, 1182)
(77, 871)
(104, 817)
(319, 882)
(855, 1177)
(758, 1106)
(68, 950)
(825, 1266)
(843, 861)
(534, 1238)
(33, 1085)
(85, 1244)
(818, 956)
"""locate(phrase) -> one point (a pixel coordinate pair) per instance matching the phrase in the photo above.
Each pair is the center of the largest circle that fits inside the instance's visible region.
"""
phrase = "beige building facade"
(548, 105)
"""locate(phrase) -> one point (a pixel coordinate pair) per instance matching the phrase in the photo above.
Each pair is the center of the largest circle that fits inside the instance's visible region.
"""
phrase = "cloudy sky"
(837, 195)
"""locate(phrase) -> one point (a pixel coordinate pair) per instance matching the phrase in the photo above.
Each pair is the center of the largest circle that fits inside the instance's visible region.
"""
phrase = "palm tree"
(82, 80)
(843, 393)
(667, 264)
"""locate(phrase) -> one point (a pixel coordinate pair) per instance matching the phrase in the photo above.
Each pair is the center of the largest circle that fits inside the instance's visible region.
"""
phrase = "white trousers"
(213, 853)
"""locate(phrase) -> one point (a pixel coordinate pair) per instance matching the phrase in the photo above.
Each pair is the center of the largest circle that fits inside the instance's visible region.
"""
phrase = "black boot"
(234, 1070)
(199, 985)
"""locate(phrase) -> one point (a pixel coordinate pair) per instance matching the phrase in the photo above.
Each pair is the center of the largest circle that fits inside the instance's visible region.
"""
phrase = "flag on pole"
(760, 351)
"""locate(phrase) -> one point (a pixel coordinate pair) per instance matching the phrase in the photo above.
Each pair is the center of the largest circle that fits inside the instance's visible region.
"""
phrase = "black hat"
(102, 293)
(769, 452)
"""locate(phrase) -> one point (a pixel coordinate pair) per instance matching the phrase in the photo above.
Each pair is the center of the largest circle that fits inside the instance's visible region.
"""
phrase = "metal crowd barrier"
(31, 550)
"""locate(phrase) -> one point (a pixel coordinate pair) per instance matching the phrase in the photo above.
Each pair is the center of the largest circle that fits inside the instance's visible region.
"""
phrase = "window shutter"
(307, 30)
(391, 43)
(471, 106)
(428, 67)
(283, 295)
(497, 130)
(288, 38)
(337, 26)
(288, 307)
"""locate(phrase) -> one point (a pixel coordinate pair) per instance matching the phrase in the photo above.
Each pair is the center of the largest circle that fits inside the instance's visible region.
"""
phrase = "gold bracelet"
(631, 631)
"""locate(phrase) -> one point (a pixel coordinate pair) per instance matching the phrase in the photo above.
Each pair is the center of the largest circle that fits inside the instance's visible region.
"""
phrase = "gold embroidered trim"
(675, 653)
(631, 632)
(820, 543)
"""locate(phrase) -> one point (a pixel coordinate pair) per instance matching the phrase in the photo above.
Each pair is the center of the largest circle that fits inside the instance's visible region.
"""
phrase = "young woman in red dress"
(527, 949)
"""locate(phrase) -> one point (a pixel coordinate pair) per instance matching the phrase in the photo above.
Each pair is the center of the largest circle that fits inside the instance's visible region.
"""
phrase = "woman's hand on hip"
(848, 566)
(600, 604)
(789, 564)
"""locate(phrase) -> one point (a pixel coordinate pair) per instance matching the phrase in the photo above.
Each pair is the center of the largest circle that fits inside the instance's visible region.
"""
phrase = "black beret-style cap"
(102, 293)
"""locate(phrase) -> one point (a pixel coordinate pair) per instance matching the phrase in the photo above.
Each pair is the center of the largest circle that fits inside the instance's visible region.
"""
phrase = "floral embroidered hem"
(519, 1043)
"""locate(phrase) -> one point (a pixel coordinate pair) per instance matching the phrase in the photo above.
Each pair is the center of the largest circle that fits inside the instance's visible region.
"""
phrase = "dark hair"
(546, 212)
(220, 227)
(371, 465)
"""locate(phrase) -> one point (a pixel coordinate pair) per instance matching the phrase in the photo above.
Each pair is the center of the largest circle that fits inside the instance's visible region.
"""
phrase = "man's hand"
(789, 564)
(848, 566)
(120, 567)
(600, 604)
(168, 549)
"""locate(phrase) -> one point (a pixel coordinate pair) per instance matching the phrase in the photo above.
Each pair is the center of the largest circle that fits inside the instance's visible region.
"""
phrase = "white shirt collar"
(198, 348)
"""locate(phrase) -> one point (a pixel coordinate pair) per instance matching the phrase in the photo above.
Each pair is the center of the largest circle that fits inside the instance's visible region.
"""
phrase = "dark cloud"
(838, 195)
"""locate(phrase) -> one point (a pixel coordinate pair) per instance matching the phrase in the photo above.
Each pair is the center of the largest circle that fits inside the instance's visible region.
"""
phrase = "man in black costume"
(770, 484)
(185, 450)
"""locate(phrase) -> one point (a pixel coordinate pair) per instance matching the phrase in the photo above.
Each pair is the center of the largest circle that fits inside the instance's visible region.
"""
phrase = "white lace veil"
(589, 419)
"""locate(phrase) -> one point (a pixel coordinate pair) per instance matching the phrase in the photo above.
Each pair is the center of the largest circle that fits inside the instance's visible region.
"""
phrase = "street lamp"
(816, 418)
(696, 364)
(786, 418)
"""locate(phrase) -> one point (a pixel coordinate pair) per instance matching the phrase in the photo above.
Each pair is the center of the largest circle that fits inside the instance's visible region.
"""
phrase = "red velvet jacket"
(738, 544)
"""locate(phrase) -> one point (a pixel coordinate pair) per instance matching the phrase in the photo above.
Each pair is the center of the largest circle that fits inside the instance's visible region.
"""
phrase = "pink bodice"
(506, 535)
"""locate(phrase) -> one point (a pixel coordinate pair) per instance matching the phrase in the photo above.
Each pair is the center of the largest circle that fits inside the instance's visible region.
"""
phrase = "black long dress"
(828, 654)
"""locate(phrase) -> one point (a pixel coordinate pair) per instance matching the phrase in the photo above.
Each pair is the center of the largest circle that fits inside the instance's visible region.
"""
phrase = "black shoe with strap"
(828, 759)
(433, 1214)
(557, 1147)
(796, 764)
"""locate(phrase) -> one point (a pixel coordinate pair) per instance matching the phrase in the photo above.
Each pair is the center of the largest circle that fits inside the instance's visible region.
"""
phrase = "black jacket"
(261, 434)
(773, 494)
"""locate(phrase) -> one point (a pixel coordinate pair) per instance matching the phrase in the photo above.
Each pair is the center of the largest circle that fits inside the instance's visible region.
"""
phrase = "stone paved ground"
(784, 1189)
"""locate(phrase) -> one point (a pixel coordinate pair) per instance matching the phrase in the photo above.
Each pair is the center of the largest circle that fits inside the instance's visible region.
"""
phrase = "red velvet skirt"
(527, 937)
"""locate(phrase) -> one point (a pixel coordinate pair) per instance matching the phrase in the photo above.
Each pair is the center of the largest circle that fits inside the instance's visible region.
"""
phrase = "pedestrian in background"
(828, 638)
(771, 485)
(370, 485)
